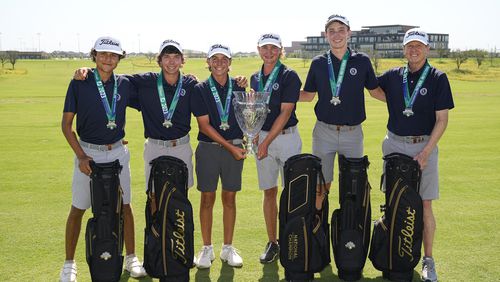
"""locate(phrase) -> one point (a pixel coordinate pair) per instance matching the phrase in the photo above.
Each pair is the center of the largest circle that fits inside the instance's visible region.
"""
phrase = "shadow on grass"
(416, 278)
(226, 273)
(270, 272)
(202, 275)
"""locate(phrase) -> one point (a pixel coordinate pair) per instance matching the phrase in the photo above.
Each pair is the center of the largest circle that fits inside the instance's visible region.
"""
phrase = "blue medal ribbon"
(109, 109)
(336, 84)
(222, 109)
(168, 113)
(270, 81)
(410, 100)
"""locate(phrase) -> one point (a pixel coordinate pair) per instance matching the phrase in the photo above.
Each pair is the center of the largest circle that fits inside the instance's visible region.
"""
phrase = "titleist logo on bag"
(179, 236)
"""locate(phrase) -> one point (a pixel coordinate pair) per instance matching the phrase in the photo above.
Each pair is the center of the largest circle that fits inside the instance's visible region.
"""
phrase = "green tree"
(479, 55)
(150, 56)
(3, 58)
(493, 55)
(13, 55)
(460, 57)
(442, 52)
(375, 58)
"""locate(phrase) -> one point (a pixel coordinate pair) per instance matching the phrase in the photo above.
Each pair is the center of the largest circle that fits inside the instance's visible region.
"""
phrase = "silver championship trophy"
(250, 109)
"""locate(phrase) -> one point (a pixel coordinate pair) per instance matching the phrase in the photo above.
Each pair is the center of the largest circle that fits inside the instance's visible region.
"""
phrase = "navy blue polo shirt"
(204, 104)
(152, 114)
(358, 75)
(286, 89)
(435, 95)
(83, 99)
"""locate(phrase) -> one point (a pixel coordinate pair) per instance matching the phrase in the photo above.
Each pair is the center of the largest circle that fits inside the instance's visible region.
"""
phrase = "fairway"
(36, 167)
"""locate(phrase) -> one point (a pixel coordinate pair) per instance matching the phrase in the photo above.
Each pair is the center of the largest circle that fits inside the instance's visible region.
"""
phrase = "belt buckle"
(109, 147)
(173, 143)
(417, 139)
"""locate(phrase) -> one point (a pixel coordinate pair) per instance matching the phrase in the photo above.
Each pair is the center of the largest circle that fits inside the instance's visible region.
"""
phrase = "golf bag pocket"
(320, 245)
(153, 254)
(295, 237)
(379, 245)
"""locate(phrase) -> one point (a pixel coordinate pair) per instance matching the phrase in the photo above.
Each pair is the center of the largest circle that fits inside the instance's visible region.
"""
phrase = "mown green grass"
(36, 168)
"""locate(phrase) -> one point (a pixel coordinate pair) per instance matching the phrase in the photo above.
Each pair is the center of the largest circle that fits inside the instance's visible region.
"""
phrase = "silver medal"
(111, 124)
(335, 101)
(224, 126)
(408, 112)
(167, 123)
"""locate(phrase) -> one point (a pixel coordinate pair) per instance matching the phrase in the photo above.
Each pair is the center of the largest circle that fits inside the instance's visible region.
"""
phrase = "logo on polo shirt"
(276, 86)
(183, 92)
(423, 91)
(118, 97)
(353, 71)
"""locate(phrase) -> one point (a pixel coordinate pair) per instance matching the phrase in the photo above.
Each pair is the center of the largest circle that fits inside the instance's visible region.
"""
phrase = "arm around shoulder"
(306, 96)
(378, 94)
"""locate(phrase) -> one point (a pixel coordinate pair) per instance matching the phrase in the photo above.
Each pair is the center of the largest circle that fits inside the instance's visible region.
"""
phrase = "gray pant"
(329, 139)
(429, 184)
(283, 147)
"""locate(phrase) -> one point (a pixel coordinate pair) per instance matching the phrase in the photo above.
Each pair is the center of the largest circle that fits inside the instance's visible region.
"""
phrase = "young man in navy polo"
(279, 138)
(339, 77)
(99, 104)
(418, 100)
(165, 99)
(220, 154)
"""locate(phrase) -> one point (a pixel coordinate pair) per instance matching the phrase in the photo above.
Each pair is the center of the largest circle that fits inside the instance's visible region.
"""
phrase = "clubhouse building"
(383, 40)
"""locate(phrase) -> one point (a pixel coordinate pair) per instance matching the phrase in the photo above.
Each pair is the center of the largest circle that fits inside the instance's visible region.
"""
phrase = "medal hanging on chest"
(109, 109)
(336, 84)
(168, 113)
(410, 100)
(223, 110)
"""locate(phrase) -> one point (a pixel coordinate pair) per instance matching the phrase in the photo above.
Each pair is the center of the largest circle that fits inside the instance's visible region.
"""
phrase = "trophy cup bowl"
(250, 109)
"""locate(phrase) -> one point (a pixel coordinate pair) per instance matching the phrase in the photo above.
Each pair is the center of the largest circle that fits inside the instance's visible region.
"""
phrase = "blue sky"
(142, 25)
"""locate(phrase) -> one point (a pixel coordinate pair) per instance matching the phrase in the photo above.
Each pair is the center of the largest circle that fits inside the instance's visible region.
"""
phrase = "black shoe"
(271, 253)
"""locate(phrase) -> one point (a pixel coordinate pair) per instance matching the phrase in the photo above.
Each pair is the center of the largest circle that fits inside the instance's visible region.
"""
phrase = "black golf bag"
(352, 222)
(104, 232)
(303, 231)
(397, 236)
(168, 236)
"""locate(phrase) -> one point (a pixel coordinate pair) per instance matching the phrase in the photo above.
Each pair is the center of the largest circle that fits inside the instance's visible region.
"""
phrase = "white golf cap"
(170, 42)
(108, 44)
(269, 38)
(337, 18)
(219, 49)
(416, 34)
